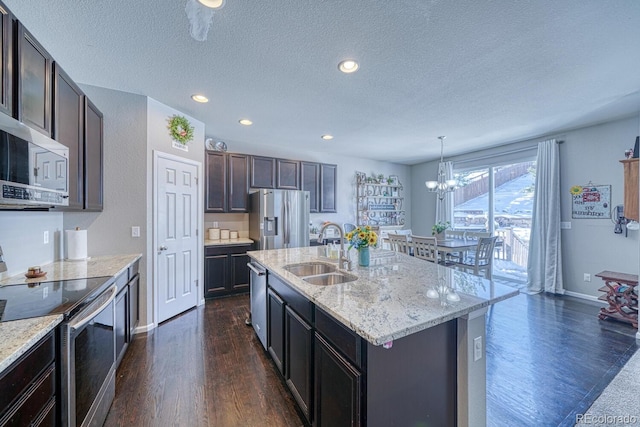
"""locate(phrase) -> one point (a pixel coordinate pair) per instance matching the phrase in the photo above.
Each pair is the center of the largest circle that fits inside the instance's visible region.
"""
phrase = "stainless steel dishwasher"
(258, 286)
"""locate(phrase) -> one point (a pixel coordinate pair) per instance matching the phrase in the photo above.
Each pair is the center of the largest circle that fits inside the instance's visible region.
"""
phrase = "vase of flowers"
(439, 228)
(362, 238)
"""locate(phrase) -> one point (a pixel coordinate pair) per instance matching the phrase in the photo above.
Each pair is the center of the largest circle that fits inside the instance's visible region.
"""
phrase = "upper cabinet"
(227, 179)
(288, 174)
(68, 129)
(263, 172)
(310, 181)
(93, 157)
(34, 82)
(6, 61)
(328, 182)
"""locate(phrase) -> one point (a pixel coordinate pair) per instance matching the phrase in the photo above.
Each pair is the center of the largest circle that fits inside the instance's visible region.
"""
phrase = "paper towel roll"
(76, 244)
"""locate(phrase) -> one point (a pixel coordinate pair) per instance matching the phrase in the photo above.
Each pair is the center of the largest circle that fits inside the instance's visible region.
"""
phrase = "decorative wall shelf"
(380, 201)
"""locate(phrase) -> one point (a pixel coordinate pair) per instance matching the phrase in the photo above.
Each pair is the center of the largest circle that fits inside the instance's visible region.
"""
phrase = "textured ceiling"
(483, 73)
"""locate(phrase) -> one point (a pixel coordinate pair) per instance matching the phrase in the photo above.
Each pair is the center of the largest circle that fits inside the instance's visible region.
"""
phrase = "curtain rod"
(503, 153)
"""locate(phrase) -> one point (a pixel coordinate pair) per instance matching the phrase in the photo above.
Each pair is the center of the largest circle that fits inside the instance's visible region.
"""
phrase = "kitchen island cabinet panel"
(298, 354)
(7, 74)
(68, 129)
(337, 388)
(34, 82)
(275, 329)
(93, 157)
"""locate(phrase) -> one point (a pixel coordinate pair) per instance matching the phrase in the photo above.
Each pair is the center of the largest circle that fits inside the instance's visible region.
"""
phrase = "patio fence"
(513, 248)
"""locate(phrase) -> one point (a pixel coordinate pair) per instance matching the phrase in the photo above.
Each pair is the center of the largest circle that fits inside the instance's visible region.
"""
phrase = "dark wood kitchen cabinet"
(126, 306)
(29, 387)
(93, 157)
(122, 323)
(337, 387)
(298, 354)
(34, 82)
(7, 74)
(275, 328)
(310, 181)
(263, 172)
(226, 187)
(225, 270)
(68, 129)
(328, 190)
(287, 174)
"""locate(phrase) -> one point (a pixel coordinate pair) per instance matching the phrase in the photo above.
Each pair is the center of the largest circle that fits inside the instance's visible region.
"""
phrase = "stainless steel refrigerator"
(279, 219)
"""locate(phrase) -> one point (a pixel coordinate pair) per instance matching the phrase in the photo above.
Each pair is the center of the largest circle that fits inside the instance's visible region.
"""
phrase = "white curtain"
(444, 207)
(545, 255)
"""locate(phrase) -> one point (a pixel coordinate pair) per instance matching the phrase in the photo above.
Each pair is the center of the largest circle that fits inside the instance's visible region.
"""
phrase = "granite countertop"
(106, 265)
(228, 242)
(18, 336)
(389, 299)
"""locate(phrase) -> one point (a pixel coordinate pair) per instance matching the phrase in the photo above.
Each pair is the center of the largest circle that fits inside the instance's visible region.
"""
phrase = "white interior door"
(176, 212)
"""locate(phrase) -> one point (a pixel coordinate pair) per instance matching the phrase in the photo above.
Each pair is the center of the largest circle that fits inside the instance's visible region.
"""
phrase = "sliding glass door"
(499, 200)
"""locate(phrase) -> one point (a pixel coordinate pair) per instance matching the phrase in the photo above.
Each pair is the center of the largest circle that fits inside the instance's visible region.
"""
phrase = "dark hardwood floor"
(548, 358)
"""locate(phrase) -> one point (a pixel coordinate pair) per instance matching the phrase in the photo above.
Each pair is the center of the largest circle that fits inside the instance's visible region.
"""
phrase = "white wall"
(22, 239)
(587, 154)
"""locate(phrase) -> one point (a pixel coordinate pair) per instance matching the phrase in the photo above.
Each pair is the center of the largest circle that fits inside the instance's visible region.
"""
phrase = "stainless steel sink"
(310, 268)
(330, 279)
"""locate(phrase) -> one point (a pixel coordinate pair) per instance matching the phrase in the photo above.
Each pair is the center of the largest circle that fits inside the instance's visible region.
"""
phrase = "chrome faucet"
(343, 257)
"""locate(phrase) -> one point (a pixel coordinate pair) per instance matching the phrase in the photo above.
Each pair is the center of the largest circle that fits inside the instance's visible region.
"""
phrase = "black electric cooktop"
(67, 297)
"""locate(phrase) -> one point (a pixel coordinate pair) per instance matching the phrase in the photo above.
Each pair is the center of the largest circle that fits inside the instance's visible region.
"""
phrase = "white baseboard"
(584, 296)
(144, 328)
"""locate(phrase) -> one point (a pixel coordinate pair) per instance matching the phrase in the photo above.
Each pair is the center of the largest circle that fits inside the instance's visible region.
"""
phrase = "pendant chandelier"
(443, 185)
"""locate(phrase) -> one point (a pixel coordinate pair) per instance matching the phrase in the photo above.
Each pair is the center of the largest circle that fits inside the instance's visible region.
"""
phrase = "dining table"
(450, 246)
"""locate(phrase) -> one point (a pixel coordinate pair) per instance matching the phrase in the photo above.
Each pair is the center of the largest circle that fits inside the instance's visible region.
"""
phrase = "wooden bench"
(619, 294)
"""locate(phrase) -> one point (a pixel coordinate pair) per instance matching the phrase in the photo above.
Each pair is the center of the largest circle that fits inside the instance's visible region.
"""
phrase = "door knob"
(163, 248)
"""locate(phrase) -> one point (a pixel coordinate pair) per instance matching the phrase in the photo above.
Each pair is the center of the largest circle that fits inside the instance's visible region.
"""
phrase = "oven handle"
(255, 270)
(86, 319)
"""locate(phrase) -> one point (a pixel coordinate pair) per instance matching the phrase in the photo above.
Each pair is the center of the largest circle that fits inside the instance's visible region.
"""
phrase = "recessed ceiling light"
(348, 66)
(245, 122)
(213, 4)
(200, 98)
(327, 137)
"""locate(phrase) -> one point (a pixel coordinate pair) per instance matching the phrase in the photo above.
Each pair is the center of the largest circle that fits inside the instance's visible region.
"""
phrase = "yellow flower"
(361, 234)
(349, 235)
(368, 227)
(372, 240)
(575, 190)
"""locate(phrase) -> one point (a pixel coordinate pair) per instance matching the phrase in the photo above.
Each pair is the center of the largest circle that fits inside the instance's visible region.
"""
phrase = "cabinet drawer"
(343, 339)
(24, 371)
(300, 304)
(33, 403)
(226, 250)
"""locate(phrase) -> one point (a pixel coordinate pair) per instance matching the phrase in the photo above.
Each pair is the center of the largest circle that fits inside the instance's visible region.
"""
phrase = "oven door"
(90, 378)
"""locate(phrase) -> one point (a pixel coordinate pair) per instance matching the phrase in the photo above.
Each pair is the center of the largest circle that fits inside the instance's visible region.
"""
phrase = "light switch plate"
(135, 231)
(477, 348)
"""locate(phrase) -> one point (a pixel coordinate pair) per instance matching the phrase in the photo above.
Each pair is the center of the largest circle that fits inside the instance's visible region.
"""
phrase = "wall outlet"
(215, 224)
(135, 231)
(587, 277)
(477, 348)
(565, 225)
(46, 237)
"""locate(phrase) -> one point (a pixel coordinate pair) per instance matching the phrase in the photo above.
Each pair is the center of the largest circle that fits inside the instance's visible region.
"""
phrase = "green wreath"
(180, 129)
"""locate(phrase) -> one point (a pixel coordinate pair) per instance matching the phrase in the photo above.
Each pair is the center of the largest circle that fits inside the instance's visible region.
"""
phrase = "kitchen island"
(379, 350)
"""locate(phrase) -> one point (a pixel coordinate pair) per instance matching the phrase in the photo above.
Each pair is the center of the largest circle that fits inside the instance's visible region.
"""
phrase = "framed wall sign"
(591, 201)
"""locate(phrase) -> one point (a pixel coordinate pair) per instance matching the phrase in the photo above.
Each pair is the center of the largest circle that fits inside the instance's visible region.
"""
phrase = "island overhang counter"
(418, 359)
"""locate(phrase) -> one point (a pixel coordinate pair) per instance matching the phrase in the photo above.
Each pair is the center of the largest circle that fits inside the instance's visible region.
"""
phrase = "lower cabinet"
(337, 387)
(317, 357)
(225, 270)
(298, 354)
(28, 387)
(127, 309)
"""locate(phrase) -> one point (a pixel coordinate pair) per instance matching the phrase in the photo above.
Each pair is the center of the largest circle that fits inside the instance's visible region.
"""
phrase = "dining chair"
(476, 235)
(425, 248)
(480, 260)
(399, 243)
(347, 227)
(455, 234)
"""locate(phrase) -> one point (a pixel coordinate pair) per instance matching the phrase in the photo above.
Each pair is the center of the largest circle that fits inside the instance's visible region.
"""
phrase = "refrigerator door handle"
(286, 226)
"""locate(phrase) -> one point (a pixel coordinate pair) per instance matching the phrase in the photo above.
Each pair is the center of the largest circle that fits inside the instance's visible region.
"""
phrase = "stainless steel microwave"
(34, 169)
